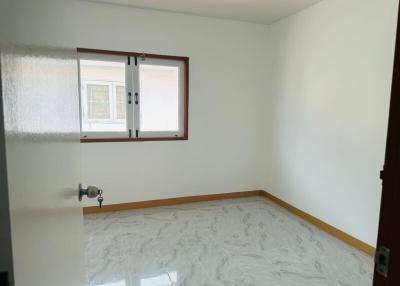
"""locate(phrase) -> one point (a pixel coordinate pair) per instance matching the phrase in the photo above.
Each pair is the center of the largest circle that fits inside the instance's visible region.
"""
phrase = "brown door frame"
(389, 232)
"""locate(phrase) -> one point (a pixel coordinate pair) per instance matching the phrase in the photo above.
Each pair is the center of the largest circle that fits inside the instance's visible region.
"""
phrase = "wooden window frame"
(185, 61)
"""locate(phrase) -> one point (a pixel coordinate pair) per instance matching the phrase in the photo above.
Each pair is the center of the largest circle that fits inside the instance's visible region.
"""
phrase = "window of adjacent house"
(132, 97)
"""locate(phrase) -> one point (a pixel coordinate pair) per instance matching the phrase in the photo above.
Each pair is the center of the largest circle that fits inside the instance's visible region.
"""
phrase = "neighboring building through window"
(133, 97)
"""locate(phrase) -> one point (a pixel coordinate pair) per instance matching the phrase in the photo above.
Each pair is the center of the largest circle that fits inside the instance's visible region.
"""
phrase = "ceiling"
(256, 11)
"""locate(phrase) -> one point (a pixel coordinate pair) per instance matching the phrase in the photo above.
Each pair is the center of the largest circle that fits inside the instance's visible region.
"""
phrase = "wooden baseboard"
(358, 244)
(170, 202)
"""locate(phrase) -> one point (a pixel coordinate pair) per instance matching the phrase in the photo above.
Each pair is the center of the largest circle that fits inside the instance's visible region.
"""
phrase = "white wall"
(332, 67)
(298, 108)
(228, 85)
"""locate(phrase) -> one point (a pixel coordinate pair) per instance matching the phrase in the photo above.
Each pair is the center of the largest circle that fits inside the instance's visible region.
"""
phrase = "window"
(132, 97)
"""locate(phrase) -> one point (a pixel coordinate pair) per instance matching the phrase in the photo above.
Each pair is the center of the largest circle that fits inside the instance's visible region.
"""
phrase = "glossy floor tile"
(239, 242)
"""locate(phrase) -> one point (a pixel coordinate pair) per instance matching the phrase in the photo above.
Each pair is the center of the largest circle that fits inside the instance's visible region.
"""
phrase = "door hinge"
(382, 256)
(130, 133)
(135, 61)
(129, 60)
(137, 133)
(381, 174)
(4, 278)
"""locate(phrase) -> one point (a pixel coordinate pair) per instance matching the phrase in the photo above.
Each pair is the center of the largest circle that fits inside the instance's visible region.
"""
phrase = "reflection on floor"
(234, 242)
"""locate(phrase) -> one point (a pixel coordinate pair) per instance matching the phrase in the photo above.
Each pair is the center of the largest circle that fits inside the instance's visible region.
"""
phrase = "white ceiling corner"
(256, 11)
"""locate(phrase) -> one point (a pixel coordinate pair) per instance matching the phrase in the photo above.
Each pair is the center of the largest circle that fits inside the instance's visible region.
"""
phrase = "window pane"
(98, 101)
(103, 95)
(121, 102)
(159, 98)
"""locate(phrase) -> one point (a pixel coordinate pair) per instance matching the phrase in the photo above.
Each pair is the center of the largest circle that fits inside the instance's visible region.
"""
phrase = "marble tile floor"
(240, 242)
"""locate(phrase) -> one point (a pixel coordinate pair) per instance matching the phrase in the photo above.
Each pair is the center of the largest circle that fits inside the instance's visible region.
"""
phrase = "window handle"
(136, 98)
